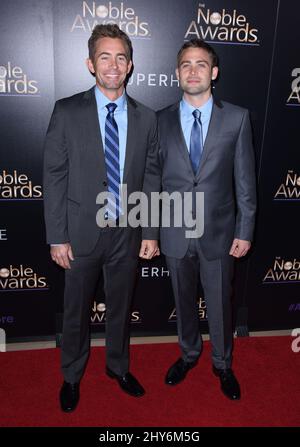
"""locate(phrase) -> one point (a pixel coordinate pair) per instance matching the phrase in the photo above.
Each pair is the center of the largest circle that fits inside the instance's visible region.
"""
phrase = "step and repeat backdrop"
(43, 47)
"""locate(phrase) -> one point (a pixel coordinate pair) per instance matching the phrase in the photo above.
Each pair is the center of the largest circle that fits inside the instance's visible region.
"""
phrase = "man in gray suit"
(206, 146)
(96, 141)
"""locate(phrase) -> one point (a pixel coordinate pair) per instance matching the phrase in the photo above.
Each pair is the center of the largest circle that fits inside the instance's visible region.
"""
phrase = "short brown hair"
(109, 30)
(199, 43)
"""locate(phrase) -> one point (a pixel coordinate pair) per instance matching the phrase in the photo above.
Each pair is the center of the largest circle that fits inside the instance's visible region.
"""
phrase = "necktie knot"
(197, 114)
(111, 107)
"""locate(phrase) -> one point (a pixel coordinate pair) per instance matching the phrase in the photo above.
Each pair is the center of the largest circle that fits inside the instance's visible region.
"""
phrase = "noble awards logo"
(225, 27)
(289, 190)
(14, 82)
(92, 14)
(283, 272)
(294, 98)
(202, 311)
(99, 314)
(14, 279)
(15, 186)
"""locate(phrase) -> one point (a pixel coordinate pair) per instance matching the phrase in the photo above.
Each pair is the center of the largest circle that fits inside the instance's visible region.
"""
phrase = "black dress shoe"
(69, 396)
(128, 383)
(229, 384)
(178, 371)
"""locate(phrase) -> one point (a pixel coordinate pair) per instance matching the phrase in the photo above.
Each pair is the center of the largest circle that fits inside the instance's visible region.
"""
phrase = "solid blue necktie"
(196, 144)
(112, 162)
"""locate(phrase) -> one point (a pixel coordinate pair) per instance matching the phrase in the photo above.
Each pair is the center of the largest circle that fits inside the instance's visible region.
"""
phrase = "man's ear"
(90, 65)
(177, 73)
(214, 73)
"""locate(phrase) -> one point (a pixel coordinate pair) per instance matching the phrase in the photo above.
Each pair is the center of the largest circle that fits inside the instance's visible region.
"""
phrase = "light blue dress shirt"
(120, 116)
(187, 118)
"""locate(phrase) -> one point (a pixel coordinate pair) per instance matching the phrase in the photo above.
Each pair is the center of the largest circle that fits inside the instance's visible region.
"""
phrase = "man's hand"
(62, 254)
(149, 249)
(239, 248)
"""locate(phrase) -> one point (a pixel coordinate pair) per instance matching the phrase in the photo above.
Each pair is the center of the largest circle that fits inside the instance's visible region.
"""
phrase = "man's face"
(110, 65)
(195, 71)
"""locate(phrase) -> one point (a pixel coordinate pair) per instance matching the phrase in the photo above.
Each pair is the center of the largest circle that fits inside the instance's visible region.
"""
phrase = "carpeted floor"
(267, 368)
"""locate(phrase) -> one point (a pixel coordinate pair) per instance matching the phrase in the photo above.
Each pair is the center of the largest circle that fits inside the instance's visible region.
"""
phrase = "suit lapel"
(177, 134)
(214, 127)
(92, 133)
(133, 123)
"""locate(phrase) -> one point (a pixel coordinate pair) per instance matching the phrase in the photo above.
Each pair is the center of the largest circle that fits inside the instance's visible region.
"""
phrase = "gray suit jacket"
(226, 176)
(74, 169)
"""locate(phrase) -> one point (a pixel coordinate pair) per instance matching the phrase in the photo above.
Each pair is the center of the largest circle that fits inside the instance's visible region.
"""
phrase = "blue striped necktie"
(196, 144)
(112, 162)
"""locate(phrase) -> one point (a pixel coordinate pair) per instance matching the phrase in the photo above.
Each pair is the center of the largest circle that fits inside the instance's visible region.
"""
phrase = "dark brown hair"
(198, 43)
(109, 30)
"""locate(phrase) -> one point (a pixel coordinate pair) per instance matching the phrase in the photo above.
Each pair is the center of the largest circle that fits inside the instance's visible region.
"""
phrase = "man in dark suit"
(96, 141)
(206, 146)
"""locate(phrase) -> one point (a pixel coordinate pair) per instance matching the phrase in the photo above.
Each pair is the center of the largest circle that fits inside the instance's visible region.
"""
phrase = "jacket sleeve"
(152, 185)
(245, 182)
(55, 179)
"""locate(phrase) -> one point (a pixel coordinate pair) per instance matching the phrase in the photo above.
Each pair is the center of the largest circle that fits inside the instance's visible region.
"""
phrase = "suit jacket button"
(195, 184)
(104, 183)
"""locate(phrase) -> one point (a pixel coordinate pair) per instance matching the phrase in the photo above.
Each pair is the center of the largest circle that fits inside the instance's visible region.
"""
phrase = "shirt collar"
(187, 109)
(102, 100)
